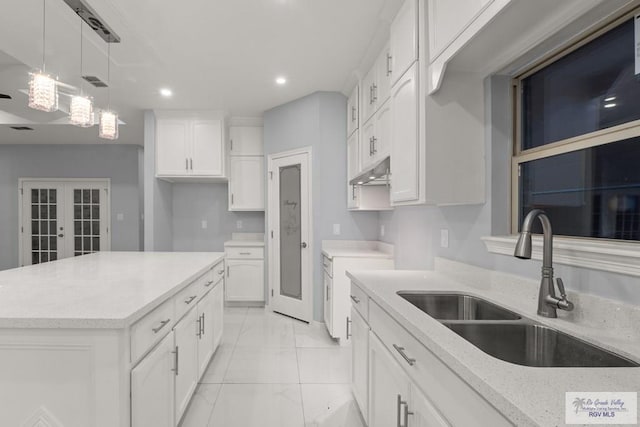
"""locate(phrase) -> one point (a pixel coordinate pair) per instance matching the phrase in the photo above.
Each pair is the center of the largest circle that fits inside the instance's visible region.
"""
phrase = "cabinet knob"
(303, 245)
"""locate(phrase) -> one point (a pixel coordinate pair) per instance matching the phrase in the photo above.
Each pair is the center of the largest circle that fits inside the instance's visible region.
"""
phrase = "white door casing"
(60, 218)
(297, 306)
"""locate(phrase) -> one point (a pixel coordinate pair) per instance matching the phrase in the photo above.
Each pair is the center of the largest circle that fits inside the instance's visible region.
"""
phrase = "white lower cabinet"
(245, 280)
(186, 339)
(328, 304)
(360, 362)
(206, 331)
(152, 384)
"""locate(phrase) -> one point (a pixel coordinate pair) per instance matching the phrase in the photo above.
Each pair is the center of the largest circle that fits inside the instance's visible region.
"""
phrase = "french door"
(62, 218)
(289, 197)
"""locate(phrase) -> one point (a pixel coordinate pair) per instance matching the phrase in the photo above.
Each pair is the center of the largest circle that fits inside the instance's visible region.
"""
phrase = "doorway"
(60, 218)
(290, 237)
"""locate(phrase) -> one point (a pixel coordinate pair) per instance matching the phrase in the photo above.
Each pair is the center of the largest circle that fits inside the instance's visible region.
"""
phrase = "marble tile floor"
(273, 371)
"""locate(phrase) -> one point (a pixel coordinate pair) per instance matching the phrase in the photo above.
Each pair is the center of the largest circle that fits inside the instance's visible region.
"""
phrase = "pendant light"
(81, 111)
(108, 127)
(43, 89)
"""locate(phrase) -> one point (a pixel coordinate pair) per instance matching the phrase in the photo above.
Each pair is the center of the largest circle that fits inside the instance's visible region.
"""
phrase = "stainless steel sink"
(530, 344)
(450, 306)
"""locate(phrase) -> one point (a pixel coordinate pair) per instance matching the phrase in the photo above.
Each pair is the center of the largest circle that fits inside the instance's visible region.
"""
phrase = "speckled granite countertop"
(528, 396)
(101, 290)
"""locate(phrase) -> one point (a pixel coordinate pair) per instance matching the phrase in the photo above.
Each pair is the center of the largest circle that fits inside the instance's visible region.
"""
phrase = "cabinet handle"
(186, 164)
(191, 163)
(231, 198)
(353, 191)
(370, 95)
(199, 328)
(353, 114)
(176, 354)
(375, 92)
(209, 283)
(373, 141)
(355, 299)
(190, 299)
(203, 323)
(400, 404)
(231, 141)
(348, 331)
(371, 146)
(162, 325)
(327, 296)
(227, 271)
(388, 64)
(245, 253)
(400, 350)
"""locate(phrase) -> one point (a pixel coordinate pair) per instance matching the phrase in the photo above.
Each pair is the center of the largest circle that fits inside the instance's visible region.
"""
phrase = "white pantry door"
(62, 218)
(290, 246)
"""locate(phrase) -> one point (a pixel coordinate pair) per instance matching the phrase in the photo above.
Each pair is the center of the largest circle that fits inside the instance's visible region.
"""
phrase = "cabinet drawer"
(327, 264)
(146, 332)
(189, 296)
(439, 383)
(242, 253)
(217, 273)
(360, 301)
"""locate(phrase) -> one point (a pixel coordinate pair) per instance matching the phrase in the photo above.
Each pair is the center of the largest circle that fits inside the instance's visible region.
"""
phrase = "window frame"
(592, 139)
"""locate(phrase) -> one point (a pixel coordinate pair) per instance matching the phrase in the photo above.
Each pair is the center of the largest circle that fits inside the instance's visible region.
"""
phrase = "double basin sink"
(509, 336)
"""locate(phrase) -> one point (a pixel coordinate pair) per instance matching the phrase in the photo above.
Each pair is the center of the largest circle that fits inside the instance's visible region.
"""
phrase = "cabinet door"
(423, 413)
(382, 138)
(366, 144)
(245, 280)
(172, 138)
(389, 386)
(404, 39)
(246, 183)
(352, 111)
(367, 95)
(448, 19)
(152, 383)
(383, 74)
(328, 301)
(207, 150)
(186, 340)
(218, 314)
(206, 333)
(360, 361)
(405, 150)
(245, 141)
(353, 156)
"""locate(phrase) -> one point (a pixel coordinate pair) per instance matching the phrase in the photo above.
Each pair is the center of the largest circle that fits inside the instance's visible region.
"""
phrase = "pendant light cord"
(81, 79)
(108, 76)
(44, 30)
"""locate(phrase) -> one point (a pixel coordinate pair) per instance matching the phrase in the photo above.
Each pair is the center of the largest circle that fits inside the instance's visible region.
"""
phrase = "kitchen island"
(108, 339)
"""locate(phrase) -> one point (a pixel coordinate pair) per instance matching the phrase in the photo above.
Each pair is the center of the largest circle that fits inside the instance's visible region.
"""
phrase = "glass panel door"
(290, 232)
(44, 226)
(86, 221)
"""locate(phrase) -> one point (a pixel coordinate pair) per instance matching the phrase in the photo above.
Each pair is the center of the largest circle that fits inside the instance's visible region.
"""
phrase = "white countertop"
(356, 249)
(101, 290)
(241, 240)
(528, 396)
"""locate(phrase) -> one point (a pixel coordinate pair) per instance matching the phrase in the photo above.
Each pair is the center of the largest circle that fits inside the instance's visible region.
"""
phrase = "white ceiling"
(214, 55)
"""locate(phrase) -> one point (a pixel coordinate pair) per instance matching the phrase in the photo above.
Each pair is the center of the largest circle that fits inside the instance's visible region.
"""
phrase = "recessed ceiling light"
(166, 92)
(610, 105)
(281, 80)
(611, 98)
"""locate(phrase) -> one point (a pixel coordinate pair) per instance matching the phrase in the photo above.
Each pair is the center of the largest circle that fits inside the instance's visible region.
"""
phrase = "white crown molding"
(622, 257)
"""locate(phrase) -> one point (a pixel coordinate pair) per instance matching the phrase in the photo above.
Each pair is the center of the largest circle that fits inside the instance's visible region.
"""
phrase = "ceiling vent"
(95, 81)
(21, 128)
(4, 96)
(93, 20)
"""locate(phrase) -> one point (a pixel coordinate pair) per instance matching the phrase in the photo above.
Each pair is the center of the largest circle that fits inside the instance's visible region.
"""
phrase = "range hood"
(378, 174)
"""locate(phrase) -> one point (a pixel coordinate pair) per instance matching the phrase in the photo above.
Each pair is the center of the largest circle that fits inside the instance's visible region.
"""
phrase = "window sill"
(606, 255)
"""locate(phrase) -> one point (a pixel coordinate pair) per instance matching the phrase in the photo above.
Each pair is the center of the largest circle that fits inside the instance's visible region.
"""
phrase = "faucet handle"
(563, 303)
(563, 292)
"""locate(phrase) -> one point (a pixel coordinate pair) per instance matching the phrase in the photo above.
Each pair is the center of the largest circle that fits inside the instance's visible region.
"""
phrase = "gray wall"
(194, 203)
(415, 231)
(118, 162)
(319, 121)
(158, 196)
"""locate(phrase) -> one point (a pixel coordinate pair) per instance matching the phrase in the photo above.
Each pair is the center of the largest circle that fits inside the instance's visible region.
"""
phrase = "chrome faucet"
(548, 302)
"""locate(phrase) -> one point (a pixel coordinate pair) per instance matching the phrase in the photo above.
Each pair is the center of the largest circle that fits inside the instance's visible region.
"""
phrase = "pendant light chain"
(44, 30)
(108, 76)
(81, 79)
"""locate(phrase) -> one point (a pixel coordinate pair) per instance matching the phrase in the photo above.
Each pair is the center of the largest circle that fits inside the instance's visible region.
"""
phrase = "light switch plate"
(239, 224)
(444, 238)
(120, 217)
(204, 224)
(382, 230)
(336, 229)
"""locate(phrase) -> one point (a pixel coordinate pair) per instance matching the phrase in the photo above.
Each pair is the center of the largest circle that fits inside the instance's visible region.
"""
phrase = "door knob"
(303, 245)
(60, 235)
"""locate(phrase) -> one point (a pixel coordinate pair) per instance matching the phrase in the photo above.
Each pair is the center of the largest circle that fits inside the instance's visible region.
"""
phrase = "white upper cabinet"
(447, 19)
(353, 112)
(189, 146)
(383, 76)
(367, 96)
(404, 39)
(246, 183)
(406, 149)
(353, 156)
(245, 141)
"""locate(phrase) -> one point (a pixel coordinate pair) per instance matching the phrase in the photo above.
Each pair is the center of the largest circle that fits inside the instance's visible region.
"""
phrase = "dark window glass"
(592, 88)
(593, 192)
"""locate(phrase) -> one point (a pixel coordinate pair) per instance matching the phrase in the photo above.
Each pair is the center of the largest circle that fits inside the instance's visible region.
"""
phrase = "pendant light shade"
(43, 92)
(108, 128)
(81, 111)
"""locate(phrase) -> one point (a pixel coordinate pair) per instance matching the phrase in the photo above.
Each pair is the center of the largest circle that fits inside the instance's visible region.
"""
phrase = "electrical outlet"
(382, 230)
(336, 229)
(204, 224)
(120, 217)
(239, 224)
(444, 238)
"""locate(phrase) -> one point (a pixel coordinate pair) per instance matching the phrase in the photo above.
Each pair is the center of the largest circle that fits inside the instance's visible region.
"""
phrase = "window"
(577, 145)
